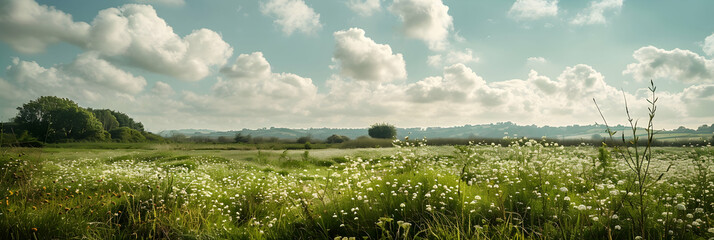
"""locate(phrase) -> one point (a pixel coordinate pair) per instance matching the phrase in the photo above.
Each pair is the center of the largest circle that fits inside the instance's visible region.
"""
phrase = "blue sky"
(350, 63)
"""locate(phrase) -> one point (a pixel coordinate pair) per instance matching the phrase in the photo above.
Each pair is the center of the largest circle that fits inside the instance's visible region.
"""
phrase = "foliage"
(240, 138)
(106, 117)
(304, 139)
(382, 130)
(337, 139)
(56, 119)
(125, 134)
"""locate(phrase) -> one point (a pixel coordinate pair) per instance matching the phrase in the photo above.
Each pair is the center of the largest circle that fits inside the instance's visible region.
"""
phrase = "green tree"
(106, 117)
(54, 119)
(125, 134)
(382, 130)
(125, 121)
(240, 138)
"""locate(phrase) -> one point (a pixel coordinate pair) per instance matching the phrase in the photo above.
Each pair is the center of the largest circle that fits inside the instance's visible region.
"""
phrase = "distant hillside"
(497, 130)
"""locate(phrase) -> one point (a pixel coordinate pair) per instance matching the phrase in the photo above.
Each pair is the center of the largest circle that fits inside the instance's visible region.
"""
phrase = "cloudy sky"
(233, 64)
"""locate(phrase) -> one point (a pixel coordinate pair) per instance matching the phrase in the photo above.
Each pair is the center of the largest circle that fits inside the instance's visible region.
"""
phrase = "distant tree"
(224, 139)
(337, 139)
(304, 139)
(125, 134)
(240, 138)
(382, 130)
(56, 119)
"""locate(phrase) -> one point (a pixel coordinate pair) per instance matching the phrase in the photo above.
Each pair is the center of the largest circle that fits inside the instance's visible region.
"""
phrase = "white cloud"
(163, 2)
(536, 60)
(87, 78)
(457, 84)
(699, 100)
(29, 27)
(533, 9)
(131, 35)
(292, 15)
(453, 57)
(677, 64)
(360, 58)
(135, 35)
(250, 79)
(595, 13)
(364, 7)
(709, 45)
(428, 20)
(162, 89)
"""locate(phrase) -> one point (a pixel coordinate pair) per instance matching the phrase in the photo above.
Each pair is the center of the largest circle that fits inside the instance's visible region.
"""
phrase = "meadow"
(522, 189)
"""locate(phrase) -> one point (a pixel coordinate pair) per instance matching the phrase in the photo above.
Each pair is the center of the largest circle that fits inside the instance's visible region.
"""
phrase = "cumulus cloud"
(360, 58)
(533, 9)
(135, 35)
(699, 100)
(132, 35)
(677, 64)
(451, 58)
(162, 89)
(428, 20)
(29, 27)
(364, 7)
(457, 84)
(709, 45)
(86, 78)
(292, 15)
(250, 78)
(595, 13)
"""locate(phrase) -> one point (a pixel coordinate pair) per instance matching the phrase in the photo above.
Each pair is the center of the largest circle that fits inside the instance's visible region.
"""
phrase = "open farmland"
(525, 190)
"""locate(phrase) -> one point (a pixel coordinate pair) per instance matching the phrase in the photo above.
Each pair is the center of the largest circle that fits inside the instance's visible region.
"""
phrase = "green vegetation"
(52, 120)
(382, 130)
(526, 189)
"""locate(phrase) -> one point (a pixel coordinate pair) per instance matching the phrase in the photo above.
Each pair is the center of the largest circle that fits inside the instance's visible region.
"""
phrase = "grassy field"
(525, 190)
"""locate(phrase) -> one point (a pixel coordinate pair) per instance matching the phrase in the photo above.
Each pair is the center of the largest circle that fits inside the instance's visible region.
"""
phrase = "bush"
(382, 130)
(126, 134)
(304, 139)
(337, 139)
(240, 138)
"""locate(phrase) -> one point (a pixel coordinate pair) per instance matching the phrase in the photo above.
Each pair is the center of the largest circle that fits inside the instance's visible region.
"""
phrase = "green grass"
(526, 190)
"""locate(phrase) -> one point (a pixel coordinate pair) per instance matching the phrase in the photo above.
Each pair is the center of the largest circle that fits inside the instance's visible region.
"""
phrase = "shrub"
(382, 130)
(337, 139)
(126, 134)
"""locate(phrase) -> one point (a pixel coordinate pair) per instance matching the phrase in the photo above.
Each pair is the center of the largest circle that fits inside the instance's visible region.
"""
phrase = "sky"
(234, 64)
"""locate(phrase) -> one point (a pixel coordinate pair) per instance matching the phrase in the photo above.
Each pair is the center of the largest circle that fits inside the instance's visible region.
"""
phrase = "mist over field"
(356, 119)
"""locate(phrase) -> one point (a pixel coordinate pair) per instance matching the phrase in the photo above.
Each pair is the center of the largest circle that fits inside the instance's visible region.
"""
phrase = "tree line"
(51, 119)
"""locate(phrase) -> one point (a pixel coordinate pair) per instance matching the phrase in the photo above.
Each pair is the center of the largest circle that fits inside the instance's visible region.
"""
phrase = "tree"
(240, 138)
(337, 139)
(125, 121)
(382, 130)
(54, 119)
(105, 116)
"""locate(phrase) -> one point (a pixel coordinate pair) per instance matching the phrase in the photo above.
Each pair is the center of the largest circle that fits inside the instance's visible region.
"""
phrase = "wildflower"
(617, 227)
(711, 230)
(35, 229)
(681, 207)
(402, 205)
(563, 189)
